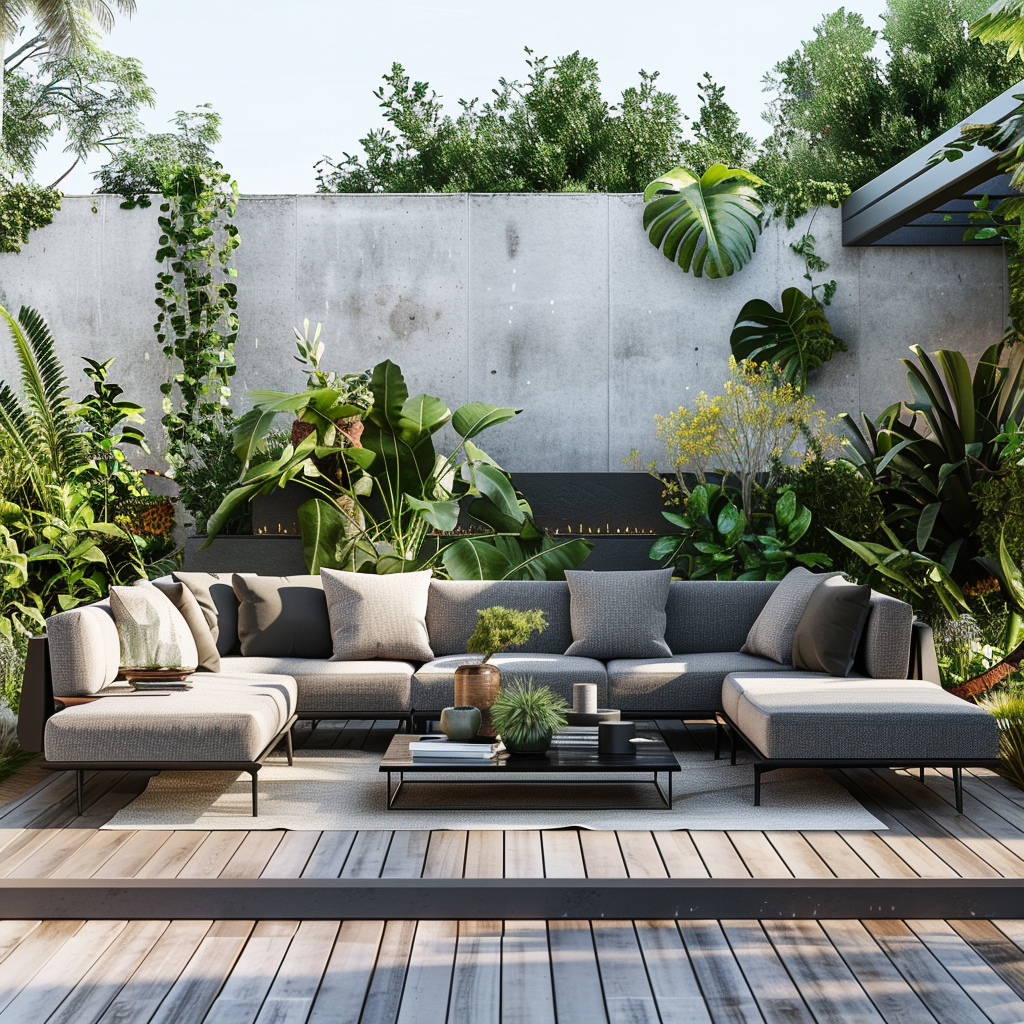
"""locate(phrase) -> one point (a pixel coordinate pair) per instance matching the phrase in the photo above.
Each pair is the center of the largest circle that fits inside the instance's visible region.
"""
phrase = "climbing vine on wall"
(197, 323)
(23, 208)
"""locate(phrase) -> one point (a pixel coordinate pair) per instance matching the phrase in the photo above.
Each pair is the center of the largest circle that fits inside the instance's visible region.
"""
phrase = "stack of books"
(577, 737)
(441, 749)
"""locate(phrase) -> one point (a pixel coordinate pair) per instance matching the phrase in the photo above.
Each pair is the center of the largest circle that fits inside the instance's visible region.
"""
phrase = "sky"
(294, 81)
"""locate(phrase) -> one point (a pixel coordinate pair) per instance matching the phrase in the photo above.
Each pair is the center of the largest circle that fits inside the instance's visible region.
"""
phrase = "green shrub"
(1000, 504)
(1008, 707)
(525, 712)
(499, 628)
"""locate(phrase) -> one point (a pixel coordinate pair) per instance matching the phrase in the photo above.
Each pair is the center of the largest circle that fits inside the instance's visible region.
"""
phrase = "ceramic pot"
(460, 725)
(478, 685)
(535, 746)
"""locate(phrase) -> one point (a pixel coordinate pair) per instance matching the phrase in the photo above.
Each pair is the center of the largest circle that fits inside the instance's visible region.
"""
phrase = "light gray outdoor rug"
(336, 790)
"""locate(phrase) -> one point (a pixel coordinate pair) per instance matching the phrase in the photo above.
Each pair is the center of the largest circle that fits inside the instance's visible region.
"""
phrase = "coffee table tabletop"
(652, 758)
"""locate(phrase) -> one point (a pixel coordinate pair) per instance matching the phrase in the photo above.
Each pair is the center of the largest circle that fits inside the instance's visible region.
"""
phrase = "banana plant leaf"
(474, 418)
(790, 337)
(707, 223)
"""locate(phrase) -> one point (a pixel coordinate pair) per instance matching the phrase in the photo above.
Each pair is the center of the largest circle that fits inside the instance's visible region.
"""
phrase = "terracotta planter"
(478, 685)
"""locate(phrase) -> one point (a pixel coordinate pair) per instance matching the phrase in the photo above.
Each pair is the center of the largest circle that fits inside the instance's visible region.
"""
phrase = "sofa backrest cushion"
(452, 607)
(216, 597)
(185, 601)
(708, 616)
(152, 632)
(282, 616)
(85, 652)
(885, 643)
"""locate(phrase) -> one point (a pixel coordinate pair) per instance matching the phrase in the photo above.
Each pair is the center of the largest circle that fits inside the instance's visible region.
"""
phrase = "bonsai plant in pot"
(526, 716)
(497, 629)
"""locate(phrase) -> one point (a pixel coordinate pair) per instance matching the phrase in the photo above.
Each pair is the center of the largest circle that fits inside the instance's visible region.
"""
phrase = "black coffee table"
(653, 759)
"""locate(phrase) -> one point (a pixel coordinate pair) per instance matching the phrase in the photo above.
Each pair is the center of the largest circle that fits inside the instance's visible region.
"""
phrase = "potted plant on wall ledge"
(497, 629)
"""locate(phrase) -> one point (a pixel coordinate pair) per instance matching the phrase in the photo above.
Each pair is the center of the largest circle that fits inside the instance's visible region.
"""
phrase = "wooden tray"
(156, 675)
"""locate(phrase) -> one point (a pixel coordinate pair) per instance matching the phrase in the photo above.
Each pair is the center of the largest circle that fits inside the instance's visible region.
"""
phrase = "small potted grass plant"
(526, 716)
(497, 629)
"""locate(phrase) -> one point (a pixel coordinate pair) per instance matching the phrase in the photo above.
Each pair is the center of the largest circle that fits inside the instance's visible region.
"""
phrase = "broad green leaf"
(926, 523)
(390, 393)
(799, 526)
(785, 508)
(664, 547)
(697, 506)
(474, 558)
(494, 485)
(728, 519)
(470, 420)
(442, 515)
(425, 413)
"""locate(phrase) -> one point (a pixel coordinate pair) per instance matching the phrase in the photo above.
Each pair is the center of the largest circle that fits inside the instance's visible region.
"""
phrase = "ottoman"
(820, 720)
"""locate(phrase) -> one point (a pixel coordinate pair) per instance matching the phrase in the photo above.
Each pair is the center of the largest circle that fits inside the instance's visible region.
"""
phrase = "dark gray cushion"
(216, 597)
(282, 616)
(618, 614)
(828, 633)
(433, 684)
(378, 616)
(185, 601)
(706, 616)
(682, 682)
(771, 635)
(452, 607)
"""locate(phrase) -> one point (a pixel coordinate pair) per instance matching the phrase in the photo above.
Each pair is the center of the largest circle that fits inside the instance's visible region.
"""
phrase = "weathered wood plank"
(476, 978)
(292, 855)
(367, 856)
(485, 854)
(673, 983)
(527, 989)
(246, 988)
(524, 857)
(252, 855)
(563, 855)
(446, 855)
(878, 856)
(759, 857)
(719, 855)
(291, 996)
(799, 855)
(346, 979)
(641, 855)
(406, 855)
(577, 981)
(329, 855)
(628, 998)
(726, 992)
(998, 951)
(679, 855)
(384, 998)
(22, 964)
(601, 855)
(213, 855)
(12, 934)
(837, 855)
(130, 858)
(428, 978)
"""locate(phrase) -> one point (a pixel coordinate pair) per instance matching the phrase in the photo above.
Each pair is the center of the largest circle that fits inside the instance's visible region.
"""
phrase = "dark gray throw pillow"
(618, 614)
(771, 635)
(282, 616)
(829, 631)
(185, 601)
(217, 599)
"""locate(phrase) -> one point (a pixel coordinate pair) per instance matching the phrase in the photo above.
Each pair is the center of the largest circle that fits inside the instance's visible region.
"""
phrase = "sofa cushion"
(216, 597)
(85, 652)
(771, 635)
(452, 607)
(222, 718)
(336, 687)
(618, 614)
(893, 720)
(885, 644)
(433, 684)
(736, 682)
(185, 601)
(682, 682)
(152, 632)
(282, 616)
(706, 616)
(828, 633)
(378, 616)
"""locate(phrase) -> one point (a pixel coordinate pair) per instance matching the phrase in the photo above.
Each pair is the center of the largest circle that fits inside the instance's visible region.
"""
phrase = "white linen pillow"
(378, 616)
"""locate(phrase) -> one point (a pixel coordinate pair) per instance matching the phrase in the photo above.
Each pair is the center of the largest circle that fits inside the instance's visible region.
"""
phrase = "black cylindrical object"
(614, 737)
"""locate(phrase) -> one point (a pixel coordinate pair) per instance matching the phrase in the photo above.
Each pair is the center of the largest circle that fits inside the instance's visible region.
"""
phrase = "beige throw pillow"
(185, 601)
(152, 631)
(378, 616)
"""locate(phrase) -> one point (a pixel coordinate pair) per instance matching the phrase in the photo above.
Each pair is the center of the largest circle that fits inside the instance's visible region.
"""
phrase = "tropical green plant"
(707, 222)
(497, 629)
(925, 456)
(798, 338)
(525, 713)
(1008, 708)
(23, 209)
(720, 541)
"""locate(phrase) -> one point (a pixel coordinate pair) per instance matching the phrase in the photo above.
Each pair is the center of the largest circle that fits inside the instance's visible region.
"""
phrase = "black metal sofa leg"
(255, 795)
(290, 747)
(79, 786)
(958, 789)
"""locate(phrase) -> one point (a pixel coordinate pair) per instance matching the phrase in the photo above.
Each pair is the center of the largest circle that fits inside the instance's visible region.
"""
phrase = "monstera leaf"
(798, 338)
(709, 223)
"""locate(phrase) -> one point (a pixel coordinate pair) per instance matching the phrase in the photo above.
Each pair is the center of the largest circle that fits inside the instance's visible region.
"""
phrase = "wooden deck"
(928, 971)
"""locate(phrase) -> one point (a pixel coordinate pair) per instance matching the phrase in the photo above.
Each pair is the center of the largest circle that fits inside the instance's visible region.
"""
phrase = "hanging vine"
(197, 323)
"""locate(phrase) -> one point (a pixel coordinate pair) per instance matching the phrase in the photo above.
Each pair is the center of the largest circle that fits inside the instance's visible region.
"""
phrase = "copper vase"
(478, 685)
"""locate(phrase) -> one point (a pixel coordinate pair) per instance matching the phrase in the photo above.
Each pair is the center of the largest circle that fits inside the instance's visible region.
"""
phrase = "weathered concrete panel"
(556, 303)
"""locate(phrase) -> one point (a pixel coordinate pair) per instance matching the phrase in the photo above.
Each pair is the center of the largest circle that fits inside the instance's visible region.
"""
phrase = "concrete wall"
(555, 303)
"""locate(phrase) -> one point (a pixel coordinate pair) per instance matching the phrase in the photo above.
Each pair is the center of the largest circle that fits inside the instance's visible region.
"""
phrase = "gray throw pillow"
(771, 635)
(185, 601)
(152, 632)
(828, 633)
(618, 614)
(378, 616)
(217, 599)
(282, 616)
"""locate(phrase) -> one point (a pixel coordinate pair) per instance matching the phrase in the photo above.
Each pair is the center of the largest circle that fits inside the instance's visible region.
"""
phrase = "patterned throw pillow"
(378, 616)
(618, 614)
(152, 631)
(771, 635)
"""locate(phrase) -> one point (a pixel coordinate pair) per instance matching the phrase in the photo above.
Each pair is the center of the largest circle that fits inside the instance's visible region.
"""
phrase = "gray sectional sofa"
(875, 716)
